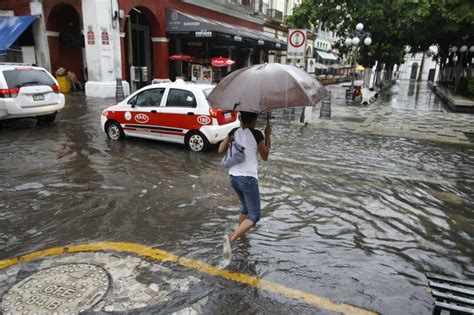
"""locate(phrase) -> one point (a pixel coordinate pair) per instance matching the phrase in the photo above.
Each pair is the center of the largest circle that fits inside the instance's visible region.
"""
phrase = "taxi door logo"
(141, 118)
(203, 120)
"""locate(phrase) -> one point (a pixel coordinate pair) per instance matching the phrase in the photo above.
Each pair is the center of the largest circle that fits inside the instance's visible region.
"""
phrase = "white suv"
(29, 91)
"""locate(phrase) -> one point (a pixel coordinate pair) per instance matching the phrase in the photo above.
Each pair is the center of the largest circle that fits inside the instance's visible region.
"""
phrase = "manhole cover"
(65, 289)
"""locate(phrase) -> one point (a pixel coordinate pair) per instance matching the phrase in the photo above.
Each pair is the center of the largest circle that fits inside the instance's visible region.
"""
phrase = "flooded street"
(352, 217)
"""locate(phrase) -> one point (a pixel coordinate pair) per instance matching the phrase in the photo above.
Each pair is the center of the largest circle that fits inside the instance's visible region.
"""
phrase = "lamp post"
(354, 40)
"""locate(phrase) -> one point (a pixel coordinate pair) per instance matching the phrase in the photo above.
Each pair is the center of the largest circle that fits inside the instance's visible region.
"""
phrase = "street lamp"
(354, 40)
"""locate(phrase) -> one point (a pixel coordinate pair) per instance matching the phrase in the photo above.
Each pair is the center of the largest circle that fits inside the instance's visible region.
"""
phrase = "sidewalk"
(407, 109)
(455, 103)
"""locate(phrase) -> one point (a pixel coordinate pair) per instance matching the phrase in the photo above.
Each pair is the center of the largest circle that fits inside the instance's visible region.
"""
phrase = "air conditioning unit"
(275, 14)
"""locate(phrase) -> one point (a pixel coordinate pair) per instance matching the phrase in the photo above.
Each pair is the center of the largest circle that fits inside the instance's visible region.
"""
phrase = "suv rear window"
(24, 77)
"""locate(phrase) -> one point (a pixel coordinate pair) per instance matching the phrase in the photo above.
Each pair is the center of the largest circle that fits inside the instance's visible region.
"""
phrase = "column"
(103, 50)
(123, 54)
(41, 41)
(160, 57)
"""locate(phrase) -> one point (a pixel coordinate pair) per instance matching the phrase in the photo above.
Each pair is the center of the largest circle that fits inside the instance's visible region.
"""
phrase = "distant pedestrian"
(244, 176)
(76, 85)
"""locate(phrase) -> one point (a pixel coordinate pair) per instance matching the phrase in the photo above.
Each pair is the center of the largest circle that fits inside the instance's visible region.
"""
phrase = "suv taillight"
(7, 93)
(214, 112)
(56, 88)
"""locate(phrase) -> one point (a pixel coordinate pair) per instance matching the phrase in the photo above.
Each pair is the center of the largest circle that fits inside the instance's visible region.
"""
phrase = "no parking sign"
(296, 44)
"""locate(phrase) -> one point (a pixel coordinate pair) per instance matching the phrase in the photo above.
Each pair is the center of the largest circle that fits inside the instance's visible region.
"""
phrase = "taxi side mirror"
(133, 102)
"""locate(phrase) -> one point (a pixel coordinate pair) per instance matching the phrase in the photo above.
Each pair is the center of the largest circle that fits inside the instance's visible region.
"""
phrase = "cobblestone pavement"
(408, 109)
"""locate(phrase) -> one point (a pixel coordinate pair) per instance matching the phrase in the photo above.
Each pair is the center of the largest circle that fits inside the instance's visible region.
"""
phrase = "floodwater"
(355, 218)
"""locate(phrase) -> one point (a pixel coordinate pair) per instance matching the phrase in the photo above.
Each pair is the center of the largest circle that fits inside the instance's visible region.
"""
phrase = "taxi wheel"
(114, 131)
(196, 141)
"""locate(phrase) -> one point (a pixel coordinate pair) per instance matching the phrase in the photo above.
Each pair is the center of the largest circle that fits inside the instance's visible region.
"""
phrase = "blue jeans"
(246, 187)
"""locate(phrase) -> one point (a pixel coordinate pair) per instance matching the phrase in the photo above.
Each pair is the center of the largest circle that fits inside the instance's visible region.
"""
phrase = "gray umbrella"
(266, 87)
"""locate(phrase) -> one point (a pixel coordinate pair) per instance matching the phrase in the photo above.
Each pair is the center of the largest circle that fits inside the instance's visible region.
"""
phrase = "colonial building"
(132, 40)
(411, 67)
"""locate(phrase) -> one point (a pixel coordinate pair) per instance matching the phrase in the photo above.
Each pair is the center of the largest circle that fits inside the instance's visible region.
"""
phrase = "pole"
(268, 124)
(458, 74)
(350, 101)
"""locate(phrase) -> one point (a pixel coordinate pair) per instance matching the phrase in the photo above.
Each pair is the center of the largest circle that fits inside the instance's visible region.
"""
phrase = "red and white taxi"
(175, 112)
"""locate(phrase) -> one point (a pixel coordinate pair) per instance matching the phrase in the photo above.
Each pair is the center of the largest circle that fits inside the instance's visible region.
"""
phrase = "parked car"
(170, 111)
(29, 91)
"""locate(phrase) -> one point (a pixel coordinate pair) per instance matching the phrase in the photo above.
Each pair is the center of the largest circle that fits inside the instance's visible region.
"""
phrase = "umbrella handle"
(268, 124)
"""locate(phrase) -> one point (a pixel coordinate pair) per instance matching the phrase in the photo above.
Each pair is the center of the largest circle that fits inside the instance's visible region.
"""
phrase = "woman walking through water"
(244, 176)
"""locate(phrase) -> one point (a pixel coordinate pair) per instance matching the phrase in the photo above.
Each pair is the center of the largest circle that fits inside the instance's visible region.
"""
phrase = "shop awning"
(326, 56)
(320, 66)
(11, 27)
(338, 66)
(186, 25)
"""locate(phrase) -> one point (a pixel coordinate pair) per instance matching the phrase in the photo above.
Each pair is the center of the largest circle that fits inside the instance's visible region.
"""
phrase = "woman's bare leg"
(246, 225)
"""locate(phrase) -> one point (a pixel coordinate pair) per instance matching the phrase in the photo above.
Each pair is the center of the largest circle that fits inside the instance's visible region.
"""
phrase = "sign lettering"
(203, 34)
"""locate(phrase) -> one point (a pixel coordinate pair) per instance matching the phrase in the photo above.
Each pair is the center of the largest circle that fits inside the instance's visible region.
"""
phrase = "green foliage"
(392, 24)
(470, 87)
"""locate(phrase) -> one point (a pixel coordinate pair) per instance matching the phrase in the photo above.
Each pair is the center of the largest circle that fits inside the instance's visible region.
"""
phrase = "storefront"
(17, 44)
(326, 57)
(105, 41)
(205, 38)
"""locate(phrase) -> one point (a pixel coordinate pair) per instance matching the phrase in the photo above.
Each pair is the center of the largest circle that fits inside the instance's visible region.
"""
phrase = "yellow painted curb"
(157, 254)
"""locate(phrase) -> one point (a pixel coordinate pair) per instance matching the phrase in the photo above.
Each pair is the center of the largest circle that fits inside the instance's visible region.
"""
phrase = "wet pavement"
(350, 213)
(409, 109)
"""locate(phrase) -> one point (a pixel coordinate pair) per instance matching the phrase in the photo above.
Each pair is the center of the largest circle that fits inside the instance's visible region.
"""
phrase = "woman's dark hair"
(248, 117)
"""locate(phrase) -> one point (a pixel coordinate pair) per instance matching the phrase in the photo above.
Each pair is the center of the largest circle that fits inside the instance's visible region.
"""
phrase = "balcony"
(275, 15)
(251, 11)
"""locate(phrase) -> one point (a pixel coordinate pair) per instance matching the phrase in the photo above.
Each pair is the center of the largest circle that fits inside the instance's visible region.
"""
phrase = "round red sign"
(297, 38)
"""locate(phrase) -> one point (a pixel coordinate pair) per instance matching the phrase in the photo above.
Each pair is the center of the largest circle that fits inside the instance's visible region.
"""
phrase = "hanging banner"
(90, 36)
(105, 38)
(296, 44)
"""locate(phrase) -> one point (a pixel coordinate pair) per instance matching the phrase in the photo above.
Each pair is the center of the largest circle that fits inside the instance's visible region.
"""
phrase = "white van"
(29, 91)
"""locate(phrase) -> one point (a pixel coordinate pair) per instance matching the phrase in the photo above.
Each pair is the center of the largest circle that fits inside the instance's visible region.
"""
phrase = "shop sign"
(238, 38)
(105, 38)
(203, 34)
(296, 44)
(90, 36)
(311, 65)
(260, 42)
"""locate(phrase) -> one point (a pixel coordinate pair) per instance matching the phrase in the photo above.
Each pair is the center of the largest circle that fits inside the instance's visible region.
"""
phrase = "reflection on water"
(355, 218)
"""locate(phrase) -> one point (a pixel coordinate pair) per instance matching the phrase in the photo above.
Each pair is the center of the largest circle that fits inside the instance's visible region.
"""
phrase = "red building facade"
(145, 38)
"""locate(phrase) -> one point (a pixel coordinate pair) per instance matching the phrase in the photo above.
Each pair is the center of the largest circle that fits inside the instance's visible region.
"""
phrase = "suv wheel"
(114, 131)
(47, 119)
(196, 141)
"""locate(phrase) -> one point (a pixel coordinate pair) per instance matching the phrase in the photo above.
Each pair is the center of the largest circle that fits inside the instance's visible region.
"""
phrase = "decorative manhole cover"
(65, 289)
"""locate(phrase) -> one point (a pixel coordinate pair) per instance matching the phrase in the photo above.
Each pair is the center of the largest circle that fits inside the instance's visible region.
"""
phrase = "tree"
(393, 24)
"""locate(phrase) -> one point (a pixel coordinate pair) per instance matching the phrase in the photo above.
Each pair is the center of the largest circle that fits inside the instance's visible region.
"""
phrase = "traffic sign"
(296, 44)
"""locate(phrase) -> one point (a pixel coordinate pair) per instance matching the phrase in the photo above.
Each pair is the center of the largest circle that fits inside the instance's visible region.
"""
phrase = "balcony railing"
(275, 14)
